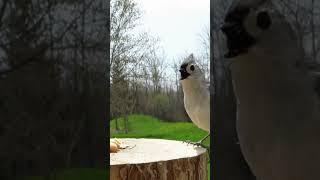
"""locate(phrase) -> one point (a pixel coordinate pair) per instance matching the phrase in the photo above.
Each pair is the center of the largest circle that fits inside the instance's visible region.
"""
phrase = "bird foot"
(198, 144)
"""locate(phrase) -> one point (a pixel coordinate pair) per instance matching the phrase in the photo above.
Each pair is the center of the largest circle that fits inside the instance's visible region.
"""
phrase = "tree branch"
(2, 10)
(42, 49)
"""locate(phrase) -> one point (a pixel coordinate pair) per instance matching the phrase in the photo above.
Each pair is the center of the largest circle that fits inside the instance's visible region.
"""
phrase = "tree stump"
(158, 159)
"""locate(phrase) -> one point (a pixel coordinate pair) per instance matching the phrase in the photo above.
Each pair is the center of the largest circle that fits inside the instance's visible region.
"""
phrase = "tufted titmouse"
(196, 94)
(278, 115)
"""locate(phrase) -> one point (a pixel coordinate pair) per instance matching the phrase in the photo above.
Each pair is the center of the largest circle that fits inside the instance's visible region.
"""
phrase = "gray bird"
(196, 95)
(278, 112)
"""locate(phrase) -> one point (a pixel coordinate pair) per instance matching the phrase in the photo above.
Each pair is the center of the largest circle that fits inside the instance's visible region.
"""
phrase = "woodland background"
(53, 77)
(52, 86)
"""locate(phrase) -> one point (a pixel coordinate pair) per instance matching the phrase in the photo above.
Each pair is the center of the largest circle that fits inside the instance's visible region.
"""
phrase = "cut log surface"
(158, 159)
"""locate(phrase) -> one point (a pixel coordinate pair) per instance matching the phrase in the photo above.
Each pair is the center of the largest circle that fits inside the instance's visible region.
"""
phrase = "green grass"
(142, 126)
(74, 174)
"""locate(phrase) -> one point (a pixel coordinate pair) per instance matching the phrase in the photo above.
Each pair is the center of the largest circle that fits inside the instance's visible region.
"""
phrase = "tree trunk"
(117, 126)
(126, 124)
(313, 31)
(157, 159)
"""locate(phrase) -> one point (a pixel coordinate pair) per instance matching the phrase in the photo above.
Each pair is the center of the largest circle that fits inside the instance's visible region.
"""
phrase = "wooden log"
(158, 159)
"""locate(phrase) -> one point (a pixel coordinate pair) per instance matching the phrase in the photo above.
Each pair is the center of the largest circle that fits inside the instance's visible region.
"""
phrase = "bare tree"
(204, 59)
(52, 68)
(304, 18)
(128, 52)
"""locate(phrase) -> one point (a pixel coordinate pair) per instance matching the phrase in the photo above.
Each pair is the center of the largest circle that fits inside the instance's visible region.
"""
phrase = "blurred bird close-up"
(196, 95)
(278, 112)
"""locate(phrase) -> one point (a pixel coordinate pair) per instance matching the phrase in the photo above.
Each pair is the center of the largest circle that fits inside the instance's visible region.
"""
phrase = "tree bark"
(157, 159)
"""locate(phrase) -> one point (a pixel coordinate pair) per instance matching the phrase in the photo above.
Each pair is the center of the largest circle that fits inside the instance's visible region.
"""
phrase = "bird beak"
(238, 39)
(184, 74)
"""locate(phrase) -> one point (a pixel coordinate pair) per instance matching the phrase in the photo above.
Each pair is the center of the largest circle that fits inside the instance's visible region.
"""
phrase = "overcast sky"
(177, 23)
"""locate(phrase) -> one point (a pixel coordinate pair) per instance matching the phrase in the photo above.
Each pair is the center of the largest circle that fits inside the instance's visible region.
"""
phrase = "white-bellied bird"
(278, 102)
(196, 94)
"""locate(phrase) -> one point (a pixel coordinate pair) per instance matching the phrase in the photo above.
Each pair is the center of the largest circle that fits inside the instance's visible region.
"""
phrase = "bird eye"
(192, 67)
(263, 20)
